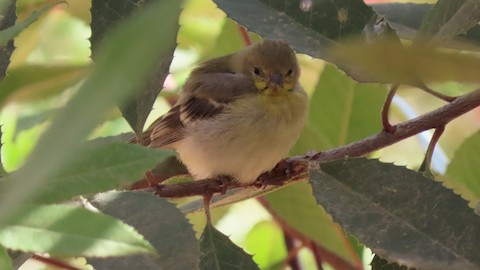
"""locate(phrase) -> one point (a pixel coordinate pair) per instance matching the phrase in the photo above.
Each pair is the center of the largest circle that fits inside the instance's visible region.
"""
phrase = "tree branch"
(300, 165)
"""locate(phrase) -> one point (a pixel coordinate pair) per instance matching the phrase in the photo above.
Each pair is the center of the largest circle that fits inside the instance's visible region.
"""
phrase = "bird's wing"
(202, 97)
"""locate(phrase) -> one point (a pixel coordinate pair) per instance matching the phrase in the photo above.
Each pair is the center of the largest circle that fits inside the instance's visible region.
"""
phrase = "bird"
(237, 115)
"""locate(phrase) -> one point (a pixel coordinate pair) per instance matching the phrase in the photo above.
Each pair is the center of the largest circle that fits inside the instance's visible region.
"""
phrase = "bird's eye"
(256, 70)
(289, 72)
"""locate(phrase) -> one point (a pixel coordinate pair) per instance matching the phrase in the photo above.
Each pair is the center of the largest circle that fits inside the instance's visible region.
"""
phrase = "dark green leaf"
(5, 261)
(219, 252)
(400, 214)
(319, 24)
(378, 263)
(101, 169)
(160, 222)
(107, 85)
(62, 230)
(105, 15)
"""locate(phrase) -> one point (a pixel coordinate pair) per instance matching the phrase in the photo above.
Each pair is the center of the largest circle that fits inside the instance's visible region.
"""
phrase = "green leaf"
(9, 33)
(107, 85)
(276, 18)
(463, 172)
(400, 214)
(297, 208)
(105, 15)
(449, 18)
(219, 252)
(341, 111)
(160, 222)
(320, 24)
(101, 169)
(266, 241)
(36, 81)
(5, 261)
(62, 230)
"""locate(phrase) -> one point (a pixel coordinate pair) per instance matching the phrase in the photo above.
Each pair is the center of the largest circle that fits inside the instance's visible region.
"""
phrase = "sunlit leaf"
(62, 230)
(341, 111)
(463, 172)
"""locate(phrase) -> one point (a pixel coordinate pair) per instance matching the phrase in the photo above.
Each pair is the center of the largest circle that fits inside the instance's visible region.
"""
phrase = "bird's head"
(273, 67)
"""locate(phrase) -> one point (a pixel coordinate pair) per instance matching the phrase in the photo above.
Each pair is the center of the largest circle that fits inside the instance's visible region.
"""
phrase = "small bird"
(237, 115)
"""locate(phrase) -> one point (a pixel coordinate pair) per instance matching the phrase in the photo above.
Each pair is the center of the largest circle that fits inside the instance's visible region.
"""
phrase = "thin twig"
(386, 109)
(292, 250)
(246, 37)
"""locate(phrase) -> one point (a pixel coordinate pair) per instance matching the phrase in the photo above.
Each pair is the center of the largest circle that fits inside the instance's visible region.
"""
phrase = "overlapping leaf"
(160, 222)
(62, 230)
(387, 209)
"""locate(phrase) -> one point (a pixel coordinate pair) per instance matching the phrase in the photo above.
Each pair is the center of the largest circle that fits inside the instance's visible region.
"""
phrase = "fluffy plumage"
(237, 115)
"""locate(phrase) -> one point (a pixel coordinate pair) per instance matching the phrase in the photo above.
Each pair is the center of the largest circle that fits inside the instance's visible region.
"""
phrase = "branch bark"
(434, 119)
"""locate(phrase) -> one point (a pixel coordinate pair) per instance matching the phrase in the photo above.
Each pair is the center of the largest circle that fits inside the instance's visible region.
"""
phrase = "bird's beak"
(276, 80)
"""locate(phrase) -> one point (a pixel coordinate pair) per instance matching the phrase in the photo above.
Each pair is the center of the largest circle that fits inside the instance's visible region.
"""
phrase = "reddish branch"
(432, 120)
(54, 262)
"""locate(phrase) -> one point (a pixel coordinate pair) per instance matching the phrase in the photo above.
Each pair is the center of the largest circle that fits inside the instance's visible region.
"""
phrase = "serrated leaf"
(320, 24)
(219, 252)
(36, 81)
(62, 230)
(379, 263)
(101, 169)
(297, 208)
(449, 18)
(333, 20)
(341, 111)
(97, 95)
(5, 261)
(11, 32)
(463, 172)
(160, 222)
(400, 214)
(105, 15)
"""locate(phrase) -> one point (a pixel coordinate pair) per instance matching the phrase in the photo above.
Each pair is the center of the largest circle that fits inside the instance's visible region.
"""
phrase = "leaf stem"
(386, 109)
(54, 262)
